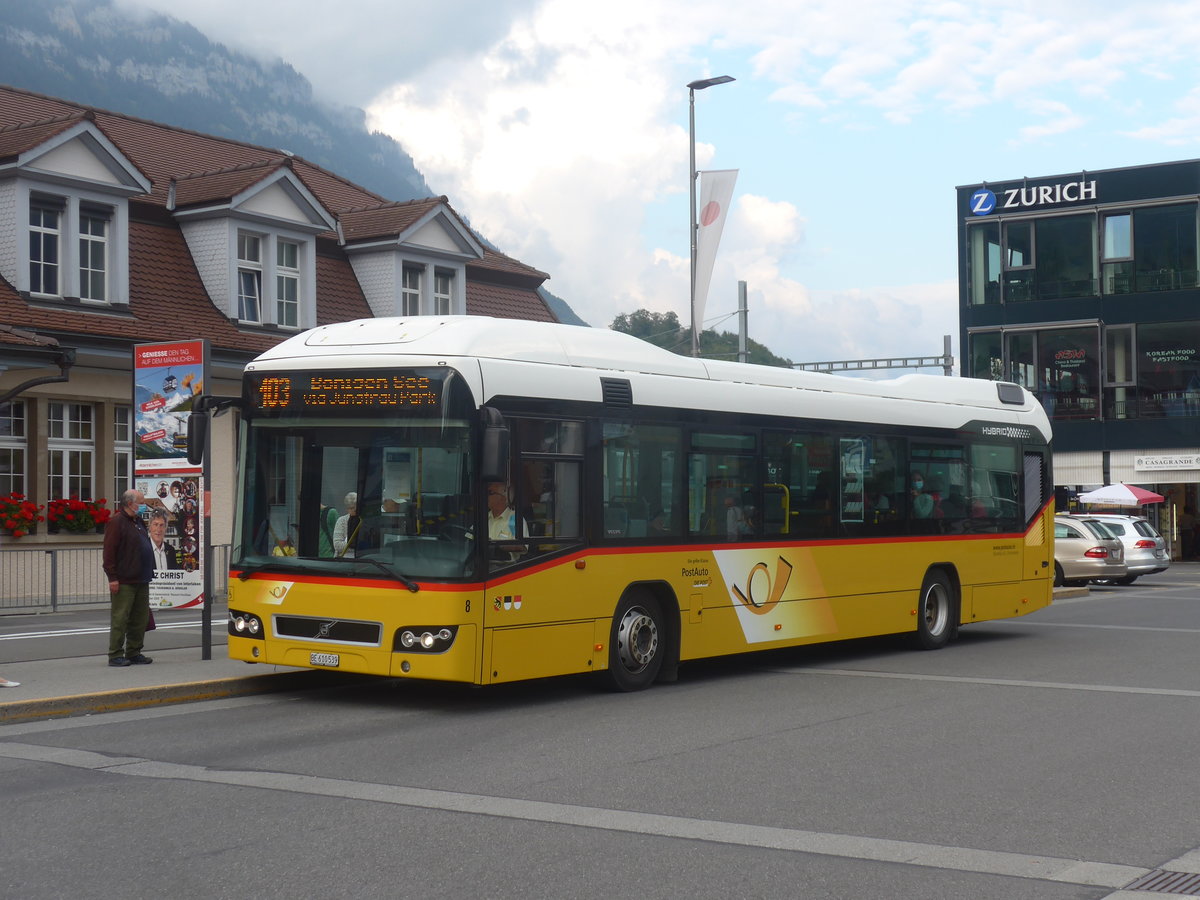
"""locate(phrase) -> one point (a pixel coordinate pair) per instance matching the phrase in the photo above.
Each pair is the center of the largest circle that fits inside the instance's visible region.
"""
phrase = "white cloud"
(560, 132)
(1058, 118)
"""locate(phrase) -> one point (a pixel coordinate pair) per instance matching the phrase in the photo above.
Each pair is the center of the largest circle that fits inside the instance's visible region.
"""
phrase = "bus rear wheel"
(637, 643)
(936, 618)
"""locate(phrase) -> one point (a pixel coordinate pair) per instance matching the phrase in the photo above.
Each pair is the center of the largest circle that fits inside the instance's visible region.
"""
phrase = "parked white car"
(1145, 549)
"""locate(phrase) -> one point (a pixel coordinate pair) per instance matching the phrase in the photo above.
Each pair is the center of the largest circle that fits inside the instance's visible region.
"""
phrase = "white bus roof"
(521, 358)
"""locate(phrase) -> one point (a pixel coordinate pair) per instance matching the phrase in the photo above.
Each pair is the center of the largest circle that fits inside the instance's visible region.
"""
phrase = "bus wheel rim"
(937, 608)
(637, 639)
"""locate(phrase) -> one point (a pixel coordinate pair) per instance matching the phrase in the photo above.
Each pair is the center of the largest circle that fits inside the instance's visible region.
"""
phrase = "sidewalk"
(56, 688)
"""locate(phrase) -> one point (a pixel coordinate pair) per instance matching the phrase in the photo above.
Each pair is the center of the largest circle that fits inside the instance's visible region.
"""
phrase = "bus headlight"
(425, 638)
(245, 625)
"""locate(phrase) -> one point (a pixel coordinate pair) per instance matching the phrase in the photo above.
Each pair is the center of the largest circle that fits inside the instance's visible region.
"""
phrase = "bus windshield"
(369, 474)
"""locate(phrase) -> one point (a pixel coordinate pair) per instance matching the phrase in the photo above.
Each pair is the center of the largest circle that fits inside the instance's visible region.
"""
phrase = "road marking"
(999, 682)
(73, 632)
(961, 859)
(1106, 627)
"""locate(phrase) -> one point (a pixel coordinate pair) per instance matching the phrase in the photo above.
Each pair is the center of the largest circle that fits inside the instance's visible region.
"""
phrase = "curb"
(1061, 592)
(187, 692)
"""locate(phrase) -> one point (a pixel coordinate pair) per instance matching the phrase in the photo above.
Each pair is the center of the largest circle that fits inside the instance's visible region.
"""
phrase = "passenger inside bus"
(922, 500)
(345, 531)
(502, 522)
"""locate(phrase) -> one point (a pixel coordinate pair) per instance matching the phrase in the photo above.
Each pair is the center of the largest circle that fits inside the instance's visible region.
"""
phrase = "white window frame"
(443, 292)
(94, 264)
(14, 440)
(72, 207)
(71, 450)
(249, 284)
(287, 283)
(284, 275)
(44, 236)
(411, 279)
(122, 449)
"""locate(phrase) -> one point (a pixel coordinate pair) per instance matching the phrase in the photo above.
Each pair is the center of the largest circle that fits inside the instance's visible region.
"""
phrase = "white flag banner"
(716, 193)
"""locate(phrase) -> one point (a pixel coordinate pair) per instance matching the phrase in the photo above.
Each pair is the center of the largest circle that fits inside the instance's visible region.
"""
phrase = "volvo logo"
(326, 627)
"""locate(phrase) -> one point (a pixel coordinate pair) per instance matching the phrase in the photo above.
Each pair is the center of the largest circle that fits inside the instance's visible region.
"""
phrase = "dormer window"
(410, 258)
(93, 253)
(68, 238)
(273, 279)
(69, 248)
(249, 277)
(443, 292)
(287, 284)
(410, 291)
(45, 238)
(255, 242)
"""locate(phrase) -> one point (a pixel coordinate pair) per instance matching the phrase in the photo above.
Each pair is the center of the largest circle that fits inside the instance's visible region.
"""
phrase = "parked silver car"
(1145, 549)
(1086, 551)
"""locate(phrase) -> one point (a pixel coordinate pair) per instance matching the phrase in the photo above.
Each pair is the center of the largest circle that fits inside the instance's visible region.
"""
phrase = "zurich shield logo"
(983, 202)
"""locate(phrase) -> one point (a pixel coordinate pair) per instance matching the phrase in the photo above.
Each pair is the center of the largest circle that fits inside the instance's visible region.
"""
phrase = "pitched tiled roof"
(497, 262)
(341, 297)
(223, 185)
(167, 298)
(506, 302)
(163, 152)
(20, 337)
(385, 219)
(16, 138)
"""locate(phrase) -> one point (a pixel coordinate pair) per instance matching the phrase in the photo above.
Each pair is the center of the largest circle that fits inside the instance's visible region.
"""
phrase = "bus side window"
(640, 477)
(549, 490)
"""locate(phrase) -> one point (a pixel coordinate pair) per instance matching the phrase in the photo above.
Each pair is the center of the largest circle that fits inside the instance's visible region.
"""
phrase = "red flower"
(77, 515)
(16, 512)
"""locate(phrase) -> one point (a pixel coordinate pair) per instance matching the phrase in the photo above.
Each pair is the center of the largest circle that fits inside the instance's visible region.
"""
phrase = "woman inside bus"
(922, 501)
(345, 530)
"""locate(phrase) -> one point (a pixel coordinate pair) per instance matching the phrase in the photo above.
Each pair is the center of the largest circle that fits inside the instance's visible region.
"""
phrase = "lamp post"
(694, 86)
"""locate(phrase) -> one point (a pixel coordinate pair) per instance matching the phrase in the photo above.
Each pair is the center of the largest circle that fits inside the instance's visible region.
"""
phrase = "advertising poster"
(166, 380)
(175, 521)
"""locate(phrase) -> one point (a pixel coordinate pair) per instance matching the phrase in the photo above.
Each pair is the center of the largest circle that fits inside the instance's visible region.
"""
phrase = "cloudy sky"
(561, 132)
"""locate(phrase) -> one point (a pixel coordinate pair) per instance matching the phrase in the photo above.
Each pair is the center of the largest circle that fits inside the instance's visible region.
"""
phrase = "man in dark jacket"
(129, 566)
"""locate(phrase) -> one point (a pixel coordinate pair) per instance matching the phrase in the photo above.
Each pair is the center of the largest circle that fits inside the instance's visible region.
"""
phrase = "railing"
(48, 580)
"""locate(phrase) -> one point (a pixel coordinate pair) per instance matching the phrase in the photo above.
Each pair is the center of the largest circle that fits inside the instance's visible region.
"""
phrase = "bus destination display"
(333, 390)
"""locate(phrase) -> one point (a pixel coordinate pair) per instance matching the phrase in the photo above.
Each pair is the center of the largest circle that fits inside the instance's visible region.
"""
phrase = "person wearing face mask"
(922, 502)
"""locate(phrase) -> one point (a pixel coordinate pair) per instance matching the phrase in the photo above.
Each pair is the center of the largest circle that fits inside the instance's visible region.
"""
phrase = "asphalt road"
(1049, 757)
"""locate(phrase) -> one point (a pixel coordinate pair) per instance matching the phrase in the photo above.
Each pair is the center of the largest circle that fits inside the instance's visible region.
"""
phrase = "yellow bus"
(481, 500)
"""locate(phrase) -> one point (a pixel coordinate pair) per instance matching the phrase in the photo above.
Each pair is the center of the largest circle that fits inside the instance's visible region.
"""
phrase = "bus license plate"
(323, 659)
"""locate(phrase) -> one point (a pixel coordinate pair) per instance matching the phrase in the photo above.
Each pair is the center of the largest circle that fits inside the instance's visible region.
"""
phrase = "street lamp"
(694, 86)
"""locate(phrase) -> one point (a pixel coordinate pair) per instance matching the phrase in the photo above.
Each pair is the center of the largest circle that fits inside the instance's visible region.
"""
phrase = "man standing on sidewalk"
(129, 565)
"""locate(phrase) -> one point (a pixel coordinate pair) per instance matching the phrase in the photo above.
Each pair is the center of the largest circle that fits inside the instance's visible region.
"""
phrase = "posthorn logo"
(983, 202)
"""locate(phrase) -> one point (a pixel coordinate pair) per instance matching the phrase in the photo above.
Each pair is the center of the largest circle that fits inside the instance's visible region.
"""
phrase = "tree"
(663, 330)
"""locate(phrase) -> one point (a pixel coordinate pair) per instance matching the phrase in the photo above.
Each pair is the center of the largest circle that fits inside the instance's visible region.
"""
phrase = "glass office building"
(1084, 288)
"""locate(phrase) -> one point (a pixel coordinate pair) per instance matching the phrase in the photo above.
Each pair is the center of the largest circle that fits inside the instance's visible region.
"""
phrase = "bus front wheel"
(637, 643)
(935, 612)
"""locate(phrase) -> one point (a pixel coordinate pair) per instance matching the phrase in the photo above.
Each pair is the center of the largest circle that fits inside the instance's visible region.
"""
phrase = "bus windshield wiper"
(383, 567)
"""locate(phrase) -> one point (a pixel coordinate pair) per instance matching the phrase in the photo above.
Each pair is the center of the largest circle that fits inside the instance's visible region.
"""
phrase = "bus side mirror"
(494, 465)
(197, 437)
